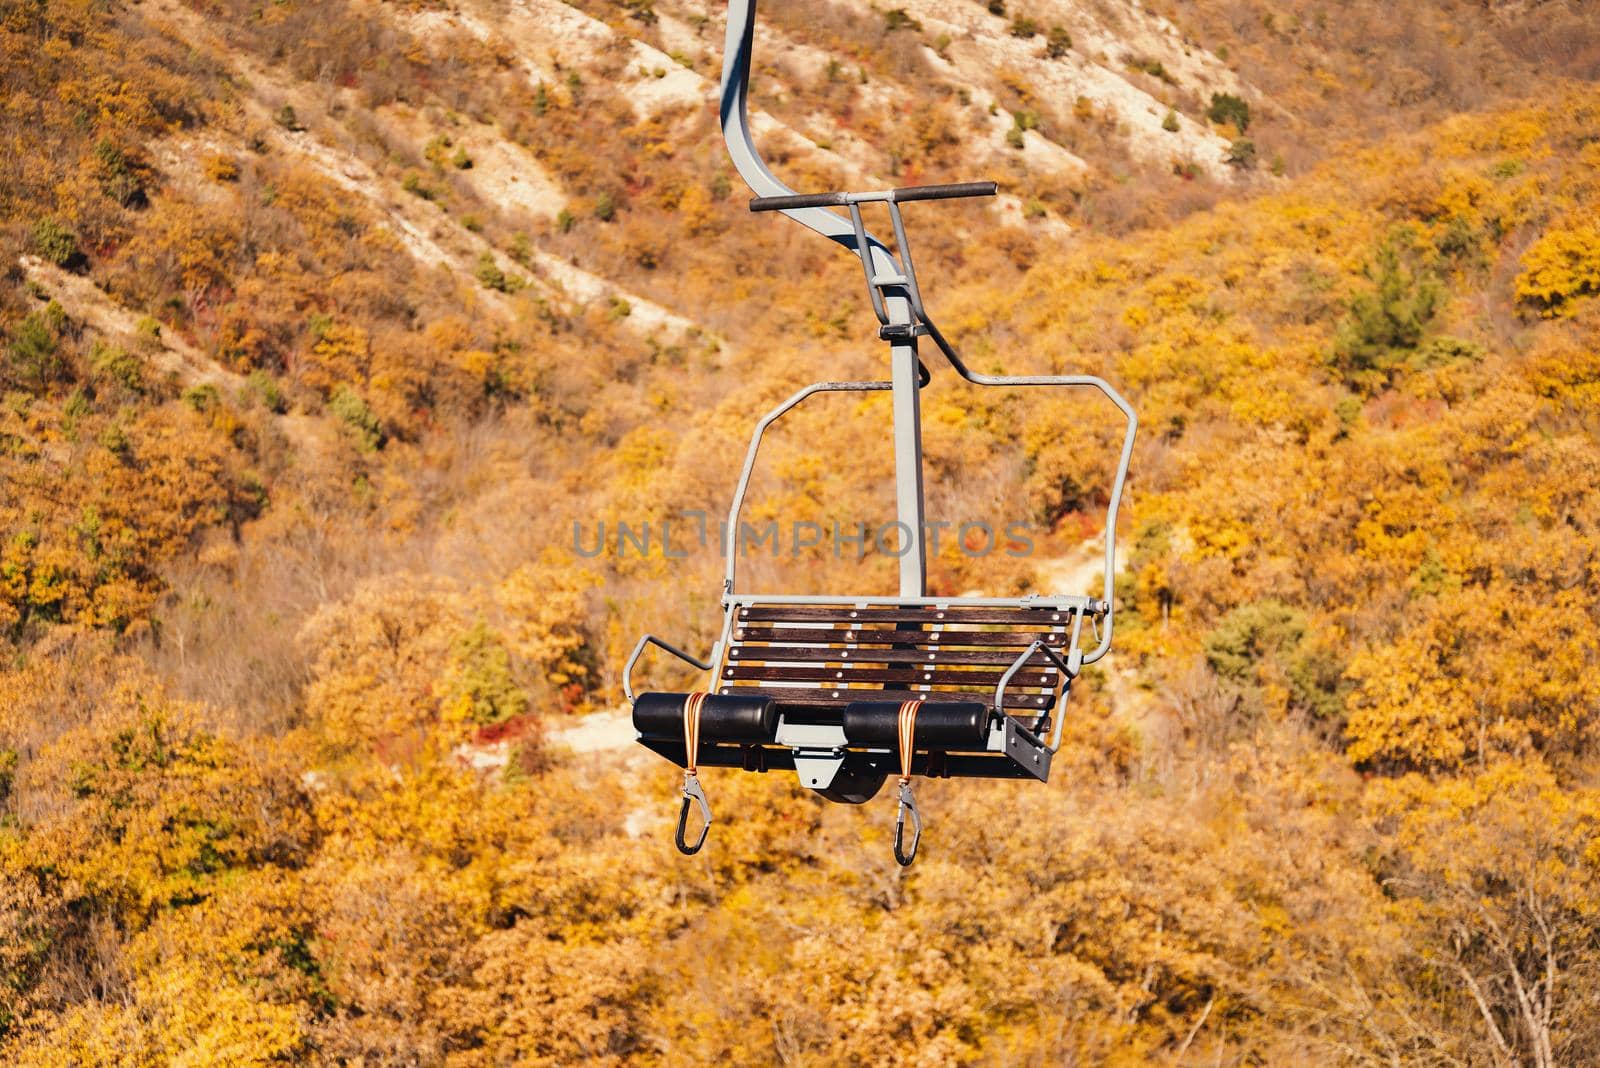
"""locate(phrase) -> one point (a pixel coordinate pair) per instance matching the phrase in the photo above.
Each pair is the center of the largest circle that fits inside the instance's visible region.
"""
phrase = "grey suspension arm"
(735, 91)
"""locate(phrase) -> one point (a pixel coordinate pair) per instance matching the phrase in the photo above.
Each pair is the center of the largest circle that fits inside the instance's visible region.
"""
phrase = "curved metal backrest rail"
(755, 444)
(1108, 597)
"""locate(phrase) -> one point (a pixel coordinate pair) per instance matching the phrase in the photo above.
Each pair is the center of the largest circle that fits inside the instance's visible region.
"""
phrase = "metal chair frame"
(817, 751)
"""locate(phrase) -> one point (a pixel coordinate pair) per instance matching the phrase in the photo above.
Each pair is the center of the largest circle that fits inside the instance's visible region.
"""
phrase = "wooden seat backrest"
(825, 656)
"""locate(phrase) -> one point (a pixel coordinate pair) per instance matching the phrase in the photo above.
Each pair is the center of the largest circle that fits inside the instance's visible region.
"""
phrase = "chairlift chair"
(846, 690)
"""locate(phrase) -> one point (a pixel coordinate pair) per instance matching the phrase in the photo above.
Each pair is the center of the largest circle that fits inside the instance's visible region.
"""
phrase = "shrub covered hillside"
(322, 325)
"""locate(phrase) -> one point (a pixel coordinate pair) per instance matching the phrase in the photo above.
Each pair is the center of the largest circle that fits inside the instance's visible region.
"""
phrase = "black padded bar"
(947, 191)
(939, 726)
(722, 718)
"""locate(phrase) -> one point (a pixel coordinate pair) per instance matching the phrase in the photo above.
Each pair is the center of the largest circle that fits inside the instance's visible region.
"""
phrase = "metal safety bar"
(901, 195)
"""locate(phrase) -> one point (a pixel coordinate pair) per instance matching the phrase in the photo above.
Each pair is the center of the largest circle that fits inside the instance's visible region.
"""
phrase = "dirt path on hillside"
(166, 352)
(425, 230)
(87, 303)
(598, 732)
(1082, 571)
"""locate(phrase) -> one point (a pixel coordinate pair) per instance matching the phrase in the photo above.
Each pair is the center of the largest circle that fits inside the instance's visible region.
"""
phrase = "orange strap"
(908, 731)
(691, 729)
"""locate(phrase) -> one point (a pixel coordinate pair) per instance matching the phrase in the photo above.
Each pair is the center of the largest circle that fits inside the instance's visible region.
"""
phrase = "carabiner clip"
(692, 793)
(907, 804)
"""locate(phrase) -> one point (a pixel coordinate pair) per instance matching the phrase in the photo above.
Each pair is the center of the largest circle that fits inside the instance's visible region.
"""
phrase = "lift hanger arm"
(735, 93)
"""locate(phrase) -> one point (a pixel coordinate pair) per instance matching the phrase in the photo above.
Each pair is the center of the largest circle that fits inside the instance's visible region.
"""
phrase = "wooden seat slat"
(814, 654)
(882, 636)
(1042, 618)
(824, 698)
(972, 680)
(951, 654)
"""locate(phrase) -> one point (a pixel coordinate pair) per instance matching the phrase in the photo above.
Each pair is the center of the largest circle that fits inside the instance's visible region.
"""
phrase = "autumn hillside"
(323, 326)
